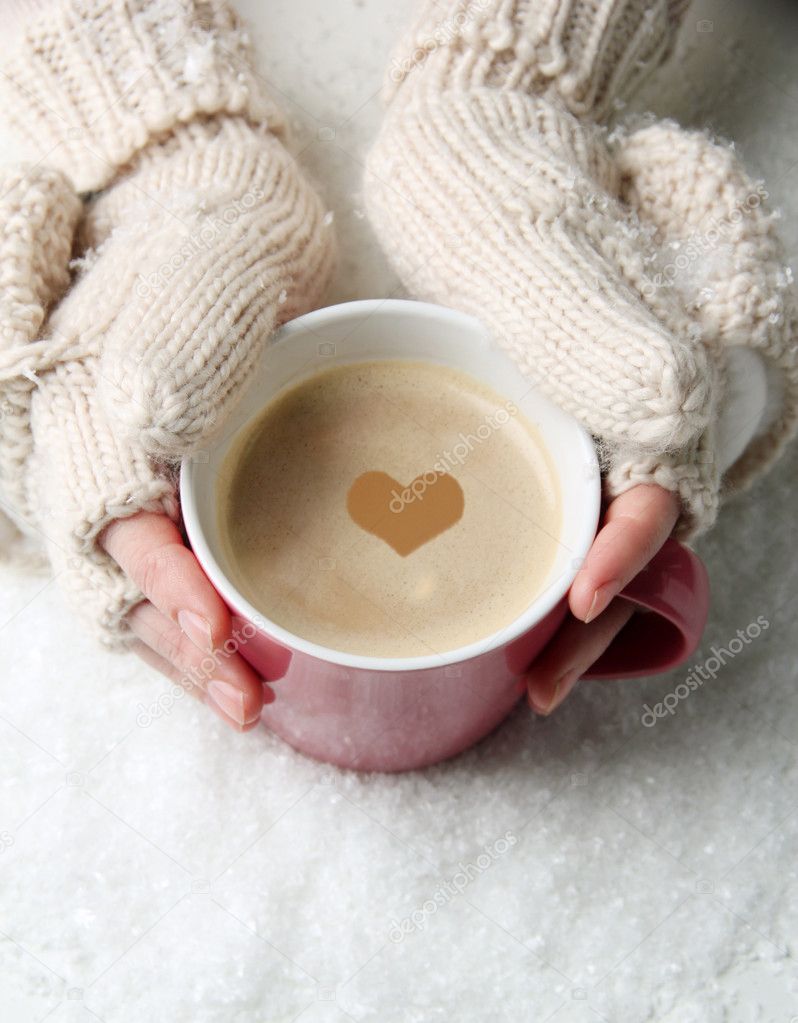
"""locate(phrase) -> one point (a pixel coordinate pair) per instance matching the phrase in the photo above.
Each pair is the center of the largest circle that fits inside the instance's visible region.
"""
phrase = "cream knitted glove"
(495, 189)
(204, 237)
(718, 250)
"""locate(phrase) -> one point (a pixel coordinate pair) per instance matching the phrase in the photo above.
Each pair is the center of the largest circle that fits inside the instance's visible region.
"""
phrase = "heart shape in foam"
(405, 517)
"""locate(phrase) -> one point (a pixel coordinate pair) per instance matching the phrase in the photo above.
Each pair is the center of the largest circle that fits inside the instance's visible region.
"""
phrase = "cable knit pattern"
(90, 82)
(586, 53)
(203, 241)
(490, 194)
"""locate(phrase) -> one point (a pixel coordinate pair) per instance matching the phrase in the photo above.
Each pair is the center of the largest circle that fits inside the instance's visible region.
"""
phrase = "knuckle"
(163, 637)
(174, 647)
(170, 646)
(157, 565)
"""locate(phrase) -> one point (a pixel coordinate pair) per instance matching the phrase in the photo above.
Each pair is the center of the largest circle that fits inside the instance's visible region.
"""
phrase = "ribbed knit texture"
(91, 82)
(204, 239)
(585, 53)
(494, 189)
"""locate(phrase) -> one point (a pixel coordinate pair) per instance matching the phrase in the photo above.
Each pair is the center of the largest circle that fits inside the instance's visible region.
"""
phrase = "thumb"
(721, 254)
(719, 249)
(39, 211)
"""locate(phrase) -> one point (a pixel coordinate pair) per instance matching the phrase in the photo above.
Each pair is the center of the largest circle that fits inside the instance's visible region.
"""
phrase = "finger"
(636, 525)
(166, 668)
(149, 548)
(39, 210)
(699, 197)
(225, 680)
(569, 655)
(160, 664)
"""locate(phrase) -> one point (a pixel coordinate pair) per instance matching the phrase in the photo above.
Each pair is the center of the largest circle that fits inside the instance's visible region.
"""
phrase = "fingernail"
(544, 697)
(229, 699)
(197, 629)
(601, 599)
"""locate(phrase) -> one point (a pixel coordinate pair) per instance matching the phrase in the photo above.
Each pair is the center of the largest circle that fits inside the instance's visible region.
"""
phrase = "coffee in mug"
(298, 511)
(391, 508)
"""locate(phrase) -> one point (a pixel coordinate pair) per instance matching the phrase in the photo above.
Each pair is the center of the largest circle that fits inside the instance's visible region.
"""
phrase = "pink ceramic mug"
(395, 714)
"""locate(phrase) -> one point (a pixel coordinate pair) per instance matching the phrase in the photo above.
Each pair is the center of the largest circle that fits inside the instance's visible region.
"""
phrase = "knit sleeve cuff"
(693, 474)
(82, 477)
(589, 52)
(90, 82)
(99, 592)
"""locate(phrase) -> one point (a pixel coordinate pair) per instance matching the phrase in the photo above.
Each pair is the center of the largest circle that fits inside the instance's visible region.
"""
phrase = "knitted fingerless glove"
(201, 237)
(494, 188)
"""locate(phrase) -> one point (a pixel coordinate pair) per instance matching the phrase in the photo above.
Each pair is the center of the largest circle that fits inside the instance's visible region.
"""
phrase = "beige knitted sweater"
(493, 185)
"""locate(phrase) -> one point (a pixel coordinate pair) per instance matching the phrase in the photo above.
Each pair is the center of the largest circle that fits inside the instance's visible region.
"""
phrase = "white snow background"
(175, 871)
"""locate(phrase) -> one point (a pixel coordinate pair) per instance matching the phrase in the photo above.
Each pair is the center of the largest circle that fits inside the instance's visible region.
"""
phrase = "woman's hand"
(182, 627)
(636, 525)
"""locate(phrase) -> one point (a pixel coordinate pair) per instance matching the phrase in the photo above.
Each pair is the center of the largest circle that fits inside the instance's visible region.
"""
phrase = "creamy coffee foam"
(391, 509)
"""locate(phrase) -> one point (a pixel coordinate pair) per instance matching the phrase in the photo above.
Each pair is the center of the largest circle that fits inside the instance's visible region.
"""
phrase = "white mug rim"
(539, 608)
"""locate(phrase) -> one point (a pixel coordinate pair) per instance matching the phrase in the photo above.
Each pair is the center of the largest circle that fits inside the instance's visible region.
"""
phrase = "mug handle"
(673, 593)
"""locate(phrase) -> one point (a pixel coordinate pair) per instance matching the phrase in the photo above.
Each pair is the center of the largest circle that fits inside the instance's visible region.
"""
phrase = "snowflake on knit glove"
(495, 190)
(105, 385)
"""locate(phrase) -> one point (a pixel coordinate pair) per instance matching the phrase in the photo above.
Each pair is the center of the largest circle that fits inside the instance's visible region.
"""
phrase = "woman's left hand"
(636, 525)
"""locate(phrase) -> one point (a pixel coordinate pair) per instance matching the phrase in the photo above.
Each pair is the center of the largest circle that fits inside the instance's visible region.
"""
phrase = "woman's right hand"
(183, 628)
